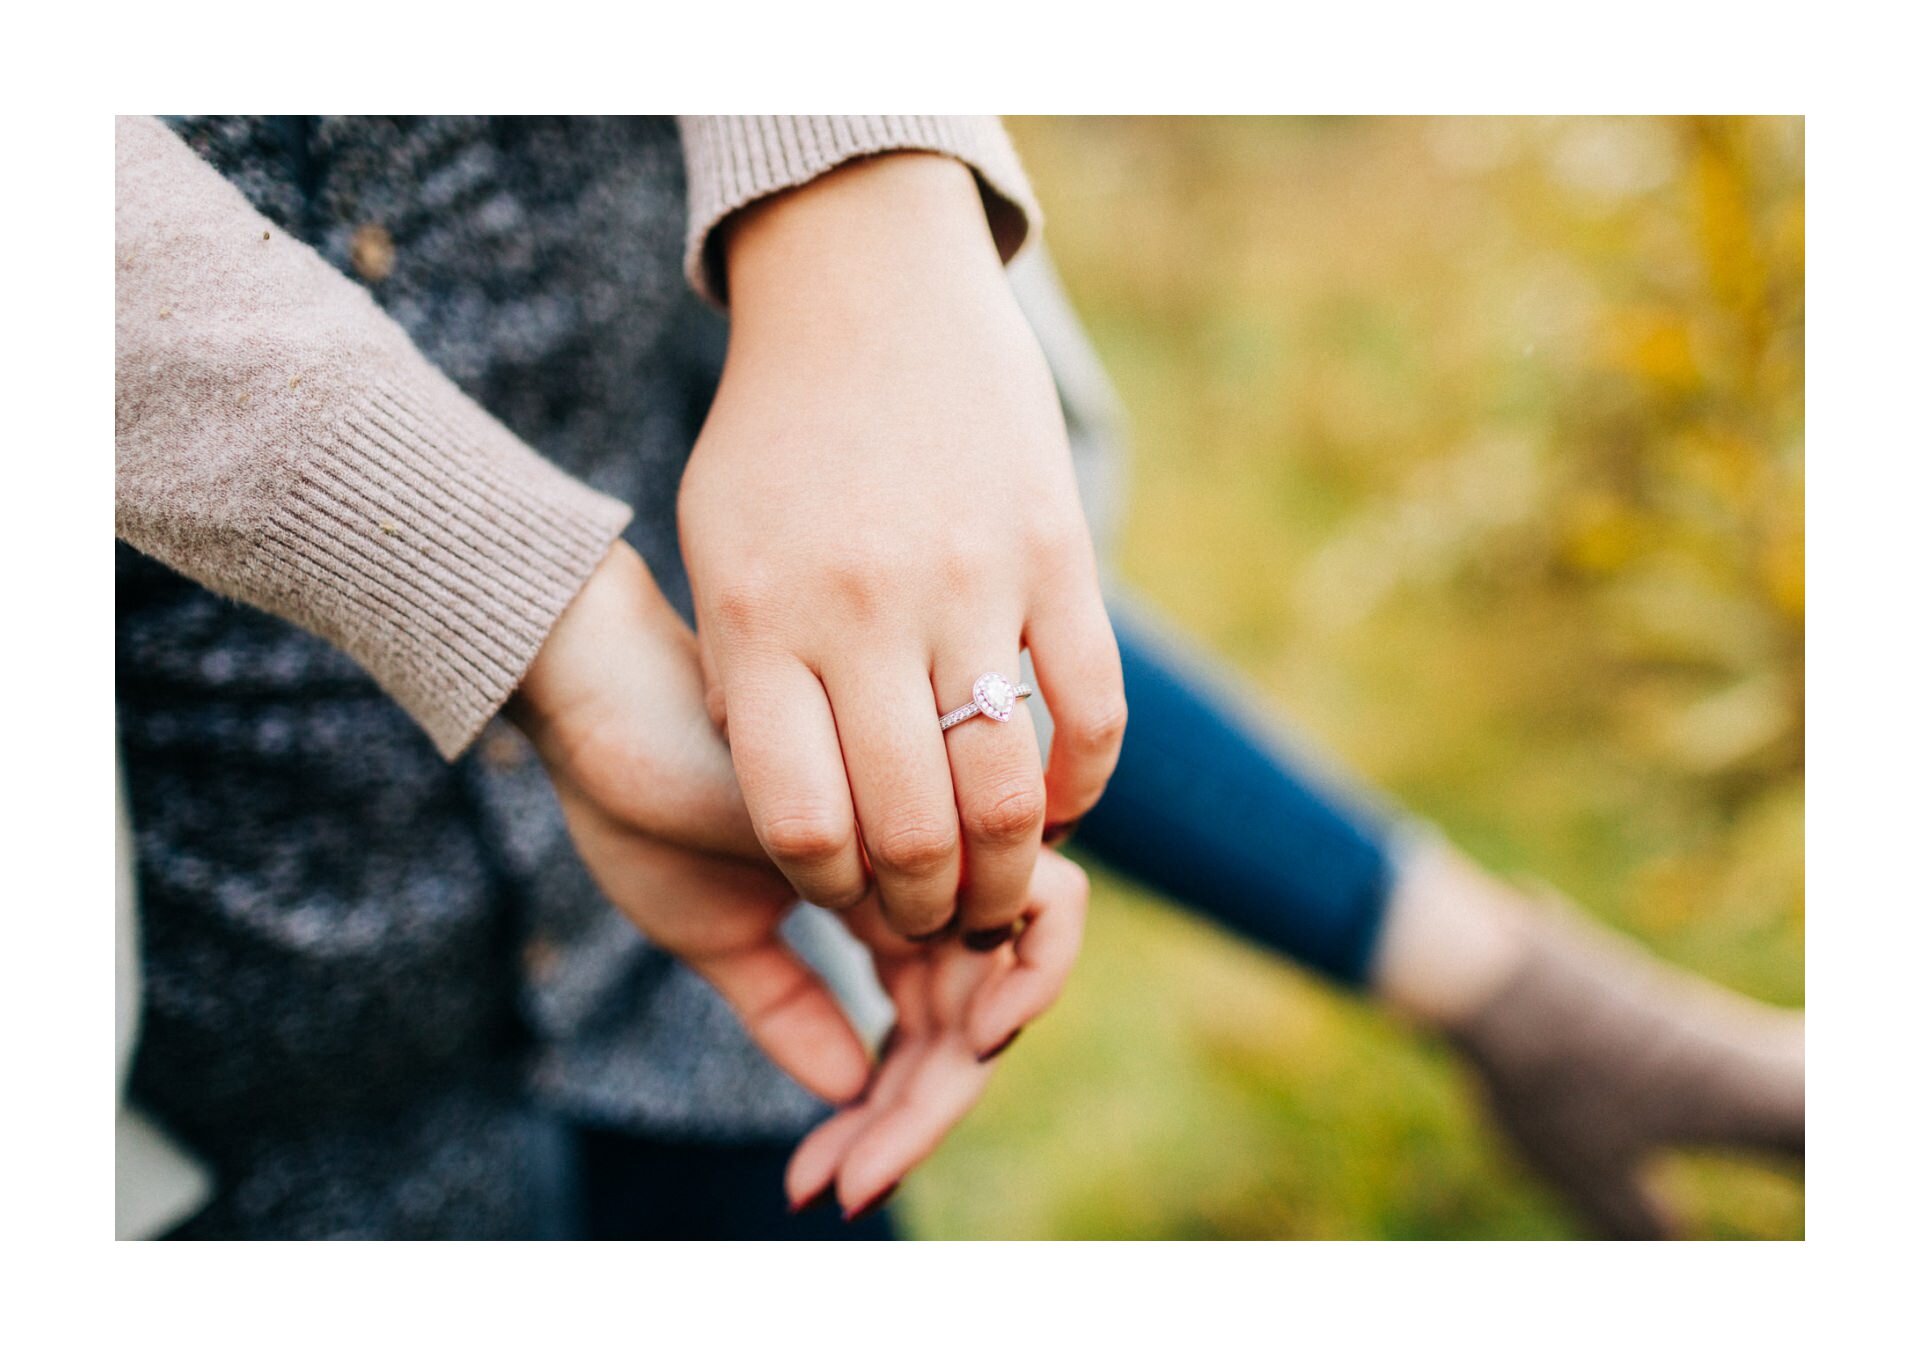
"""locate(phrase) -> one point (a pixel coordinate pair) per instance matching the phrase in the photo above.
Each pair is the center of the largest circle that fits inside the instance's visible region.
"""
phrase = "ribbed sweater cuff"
(443, 550)
(732, 161)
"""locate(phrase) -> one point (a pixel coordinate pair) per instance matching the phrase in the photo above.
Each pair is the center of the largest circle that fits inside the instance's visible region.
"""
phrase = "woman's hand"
(955, 1010)
(880, 509)
(613, 706)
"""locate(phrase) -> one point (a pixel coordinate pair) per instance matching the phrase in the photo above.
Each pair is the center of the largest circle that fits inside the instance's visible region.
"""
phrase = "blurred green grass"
(1476, 445)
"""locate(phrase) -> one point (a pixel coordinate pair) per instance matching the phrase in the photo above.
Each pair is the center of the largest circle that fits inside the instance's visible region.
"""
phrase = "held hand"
(879, 510)
(955, 1010)
(613, 705)
(722, 918)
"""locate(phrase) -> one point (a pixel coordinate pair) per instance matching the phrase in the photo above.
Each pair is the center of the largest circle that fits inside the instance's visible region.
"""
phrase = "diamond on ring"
(993, 697)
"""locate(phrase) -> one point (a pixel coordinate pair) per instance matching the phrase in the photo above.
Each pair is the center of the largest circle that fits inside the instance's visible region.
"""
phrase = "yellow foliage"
(1653, 345)
(1602, 534)
(1783, 566)
(1477, 445)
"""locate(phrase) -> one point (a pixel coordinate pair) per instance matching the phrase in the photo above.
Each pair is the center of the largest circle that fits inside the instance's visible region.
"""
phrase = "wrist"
(857, 238)
(619, 593)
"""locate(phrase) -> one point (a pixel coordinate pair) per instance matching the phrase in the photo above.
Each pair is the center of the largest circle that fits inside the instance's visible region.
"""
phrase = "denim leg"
(636, 1187)
(1207, 808)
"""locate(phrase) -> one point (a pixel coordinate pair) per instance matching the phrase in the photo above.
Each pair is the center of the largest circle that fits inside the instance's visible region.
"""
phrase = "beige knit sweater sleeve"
(735, 160)
(280, 440)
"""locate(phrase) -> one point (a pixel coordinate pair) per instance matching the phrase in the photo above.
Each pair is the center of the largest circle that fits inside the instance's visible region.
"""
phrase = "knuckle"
(805, 839)
(1058, 548)
(745, 604)
(1011, 815)
(915, 848)
(857, 583)
(1097, 732)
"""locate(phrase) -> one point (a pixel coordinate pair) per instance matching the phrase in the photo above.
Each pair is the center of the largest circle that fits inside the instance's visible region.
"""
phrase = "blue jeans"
(1207, 808)
(631, 1186)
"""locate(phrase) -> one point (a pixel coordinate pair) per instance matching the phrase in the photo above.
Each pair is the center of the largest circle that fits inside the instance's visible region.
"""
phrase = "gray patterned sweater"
(373, 976)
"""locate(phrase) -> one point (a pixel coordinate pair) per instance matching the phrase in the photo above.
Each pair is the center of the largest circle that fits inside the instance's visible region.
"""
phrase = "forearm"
(280, 440)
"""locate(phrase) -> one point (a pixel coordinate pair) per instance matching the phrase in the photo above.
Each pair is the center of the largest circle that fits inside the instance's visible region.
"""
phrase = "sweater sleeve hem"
(422, 538)
(734, 161)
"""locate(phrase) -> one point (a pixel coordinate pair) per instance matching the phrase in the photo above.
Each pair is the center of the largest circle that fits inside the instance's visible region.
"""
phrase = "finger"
(816, 1163)
(1043, 953)
(902, 787)
(790, 1014)
(942, 1087)
(811, 1170)
(1077, 663)
(817, 1160)
(922, 1090)
(866, 924)
(1000, 792)
(787, 756)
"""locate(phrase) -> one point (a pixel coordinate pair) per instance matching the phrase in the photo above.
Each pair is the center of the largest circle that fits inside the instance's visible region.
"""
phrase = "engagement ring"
(992, 696)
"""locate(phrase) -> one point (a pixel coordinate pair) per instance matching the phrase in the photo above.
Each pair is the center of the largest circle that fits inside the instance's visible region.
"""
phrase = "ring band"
(993, 696)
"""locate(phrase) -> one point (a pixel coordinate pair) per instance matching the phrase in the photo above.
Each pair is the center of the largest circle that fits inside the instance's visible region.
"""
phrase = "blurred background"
(1476, 446)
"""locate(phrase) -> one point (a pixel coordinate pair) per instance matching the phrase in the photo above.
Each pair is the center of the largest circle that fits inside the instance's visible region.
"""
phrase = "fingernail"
(986, 939)
(801, 1207)
(1056, 834)
(855, 1216)
(995, 1052)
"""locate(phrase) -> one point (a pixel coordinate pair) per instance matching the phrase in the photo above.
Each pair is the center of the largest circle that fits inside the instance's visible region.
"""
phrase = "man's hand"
(722, 919)
(613, 705)
(881, 508)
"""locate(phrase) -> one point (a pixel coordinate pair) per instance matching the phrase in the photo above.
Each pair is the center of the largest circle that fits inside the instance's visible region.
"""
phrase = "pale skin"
(613, 704)
(881, 508)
